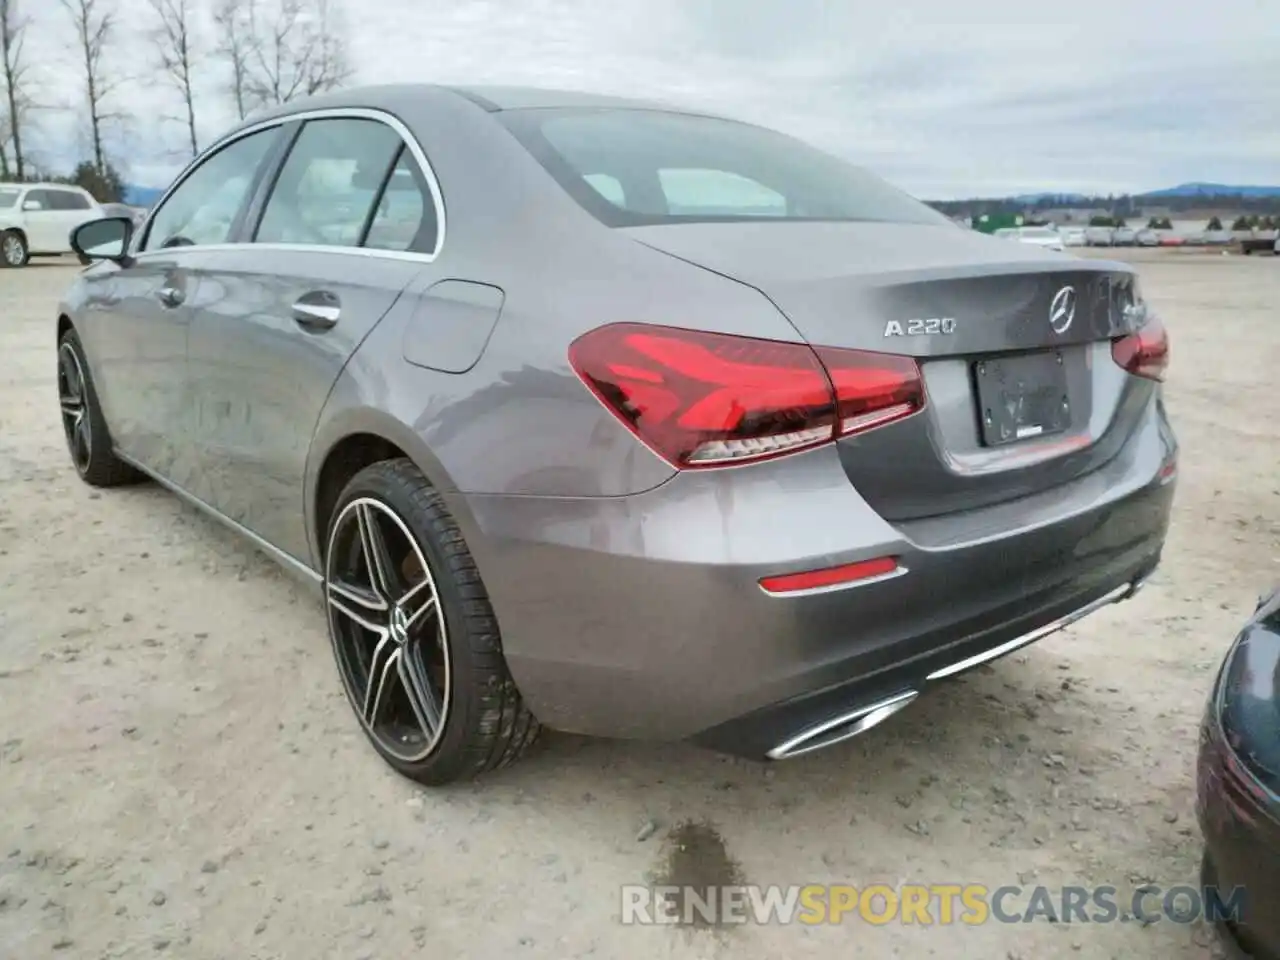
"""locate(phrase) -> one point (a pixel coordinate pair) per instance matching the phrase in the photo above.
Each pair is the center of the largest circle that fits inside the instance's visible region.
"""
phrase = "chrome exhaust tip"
(844, 726)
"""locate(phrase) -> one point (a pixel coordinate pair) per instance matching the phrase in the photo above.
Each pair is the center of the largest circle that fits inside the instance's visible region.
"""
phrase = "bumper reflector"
(830, 576)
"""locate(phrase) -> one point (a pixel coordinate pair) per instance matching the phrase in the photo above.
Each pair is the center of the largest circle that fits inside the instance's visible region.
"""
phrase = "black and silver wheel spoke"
(359, 605)
(387, 627)
(377, 558)
(71, 400)
(382, 672)
(422, 697)
(419, 603)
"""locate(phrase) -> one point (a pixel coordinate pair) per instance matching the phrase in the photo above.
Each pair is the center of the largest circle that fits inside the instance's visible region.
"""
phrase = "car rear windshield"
(8, 198)
(635, 167)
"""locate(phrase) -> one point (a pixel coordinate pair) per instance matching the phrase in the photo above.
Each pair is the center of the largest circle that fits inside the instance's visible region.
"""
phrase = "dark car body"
(1238, 784)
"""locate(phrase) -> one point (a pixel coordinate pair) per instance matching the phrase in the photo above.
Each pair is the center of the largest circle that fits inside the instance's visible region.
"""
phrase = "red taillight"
(1145, 353)
(708, 399)
(830, 576)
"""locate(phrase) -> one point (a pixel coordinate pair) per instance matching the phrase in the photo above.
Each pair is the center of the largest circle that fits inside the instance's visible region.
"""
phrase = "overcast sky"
(946, 98)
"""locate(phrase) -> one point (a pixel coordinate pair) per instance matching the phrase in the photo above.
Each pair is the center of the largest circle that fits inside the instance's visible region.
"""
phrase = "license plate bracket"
(1022, 397)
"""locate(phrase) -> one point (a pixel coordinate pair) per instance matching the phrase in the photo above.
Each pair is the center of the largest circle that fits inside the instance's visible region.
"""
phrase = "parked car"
(1124, 237)
(1218, 238)
(1147, 238)
(1238, 785)
(558, 403)
(36, 219)
(1266, 242)
(1099, 236)
(1036, 236)
(1072, 236)
(137, 214)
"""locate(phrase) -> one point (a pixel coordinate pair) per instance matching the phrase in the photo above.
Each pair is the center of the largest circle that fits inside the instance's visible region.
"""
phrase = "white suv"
(36, 219)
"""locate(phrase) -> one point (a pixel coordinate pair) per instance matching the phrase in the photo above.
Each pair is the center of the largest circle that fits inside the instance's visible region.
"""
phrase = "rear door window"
(70, 200)
(326, 191)
(404, 217)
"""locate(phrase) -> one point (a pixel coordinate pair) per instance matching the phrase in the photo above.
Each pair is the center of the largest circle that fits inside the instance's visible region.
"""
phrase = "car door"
(349, 220)
(140, 359)
(41, 221)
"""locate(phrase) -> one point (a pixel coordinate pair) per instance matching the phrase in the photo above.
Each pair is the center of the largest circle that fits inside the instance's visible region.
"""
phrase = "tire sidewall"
(448, 759)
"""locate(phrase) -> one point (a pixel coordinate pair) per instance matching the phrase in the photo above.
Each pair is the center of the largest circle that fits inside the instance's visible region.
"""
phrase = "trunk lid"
(1013, 341)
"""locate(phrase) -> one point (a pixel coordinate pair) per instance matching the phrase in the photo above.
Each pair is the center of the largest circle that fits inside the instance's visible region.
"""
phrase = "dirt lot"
(180, 775)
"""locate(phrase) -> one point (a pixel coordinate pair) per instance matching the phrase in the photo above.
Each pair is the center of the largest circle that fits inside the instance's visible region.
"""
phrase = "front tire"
(414, 636)
(14, 251)
(83, 425)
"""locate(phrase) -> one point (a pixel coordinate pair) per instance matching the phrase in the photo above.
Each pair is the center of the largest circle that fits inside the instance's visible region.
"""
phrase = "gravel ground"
(180, 774)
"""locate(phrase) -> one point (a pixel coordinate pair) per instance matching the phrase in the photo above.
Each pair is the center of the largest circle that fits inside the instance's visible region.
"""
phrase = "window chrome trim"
(329, 113)
(410, 256)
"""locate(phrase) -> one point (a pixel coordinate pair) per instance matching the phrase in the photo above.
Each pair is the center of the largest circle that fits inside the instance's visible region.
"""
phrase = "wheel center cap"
(399, 625)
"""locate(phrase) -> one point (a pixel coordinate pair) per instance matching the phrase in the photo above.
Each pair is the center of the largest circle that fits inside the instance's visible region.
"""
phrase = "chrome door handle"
(170, 296)
(317, 311)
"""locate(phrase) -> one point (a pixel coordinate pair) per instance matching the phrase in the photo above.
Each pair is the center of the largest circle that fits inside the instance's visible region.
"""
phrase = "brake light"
(1144, 353)
(703, 399)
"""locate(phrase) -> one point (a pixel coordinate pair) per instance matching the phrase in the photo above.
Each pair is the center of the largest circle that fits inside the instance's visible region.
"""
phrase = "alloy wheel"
(75, 415)
(14, 254)
(389, 633)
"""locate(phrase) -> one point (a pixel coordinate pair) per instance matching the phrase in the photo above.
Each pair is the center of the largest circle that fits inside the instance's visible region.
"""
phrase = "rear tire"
(83, 425)
(423, 628)
(14, 251)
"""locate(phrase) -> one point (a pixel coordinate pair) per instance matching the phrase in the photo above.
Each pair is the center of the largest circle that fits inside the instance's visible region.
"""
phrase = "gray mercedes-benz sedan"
(617, 418)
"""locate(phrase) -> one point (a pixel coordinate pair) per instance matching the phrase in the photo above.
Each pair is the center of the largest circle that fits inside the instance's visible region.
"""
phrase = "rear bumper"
(821, 719)
(643, 617)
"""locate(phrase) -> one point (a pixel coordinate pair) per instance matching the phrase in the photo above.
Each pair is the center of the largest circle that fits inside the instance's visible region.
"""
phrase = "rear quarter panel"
(519, 421)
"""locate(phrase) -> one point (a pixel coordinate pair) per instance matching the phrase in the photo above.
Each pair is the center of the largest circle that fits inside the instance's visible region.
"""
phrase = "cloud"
(945, 99)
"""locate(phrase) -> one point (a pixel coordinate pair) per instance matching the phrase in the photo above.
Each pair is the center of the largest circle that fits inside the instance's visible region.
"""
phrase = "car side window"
(38, 196)
(405, 217)
(66, 200)
(327, 189)
(70, 200)
(203, 209)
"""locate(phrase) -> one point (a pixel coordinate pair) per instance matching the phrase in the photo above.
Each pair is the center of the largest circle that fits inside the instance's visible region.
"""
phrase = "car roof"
(499, 98)
(402, 98)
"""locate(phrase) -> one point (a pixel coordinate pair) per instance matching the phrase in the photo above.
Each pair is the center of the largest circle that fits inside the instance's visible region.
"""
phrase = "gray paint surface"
(627, 591)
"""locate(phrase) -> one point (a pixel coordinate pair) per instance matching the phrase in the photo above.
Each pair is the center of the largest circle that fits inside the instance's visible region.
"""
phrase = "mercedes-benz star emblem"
(1062, 310)
(399, 625)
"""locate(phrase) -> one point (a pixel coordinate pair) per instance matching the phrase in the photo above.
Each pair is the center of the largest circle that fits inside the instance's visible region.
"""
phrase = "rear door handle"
(318, 310)
(170, 296)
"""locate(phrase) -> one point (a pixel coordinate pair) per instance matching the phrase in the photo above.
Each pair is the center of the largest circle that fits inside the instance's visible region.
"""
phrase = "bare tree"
(233, 22)
(175, 39)
(18, 101)
(297, 49)
(95, 22)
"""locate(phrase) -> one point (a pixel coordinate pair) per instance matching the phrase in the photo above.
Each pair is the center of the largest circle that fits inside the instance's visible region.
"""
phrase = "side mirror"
(106, 239)
(32, 205)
